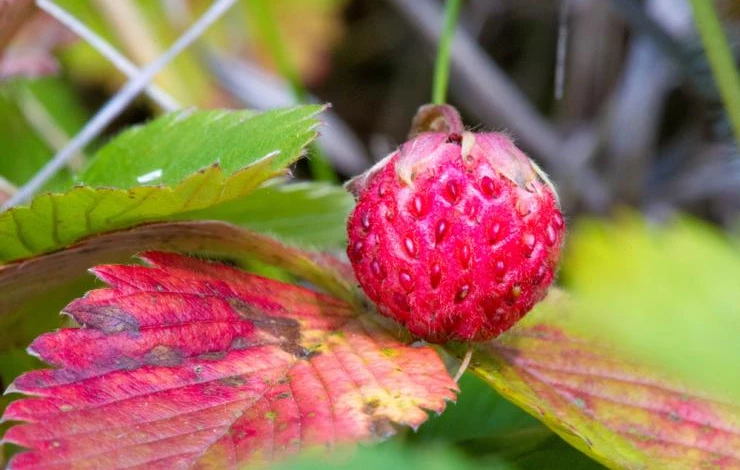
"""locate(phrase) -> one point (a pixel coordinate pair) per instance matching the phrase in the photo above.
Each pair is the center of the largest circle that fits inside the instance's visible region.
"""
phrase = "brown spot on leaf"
(164, 356)
(381, 427)
(127, 363)
(239, 343)
(371, 406)
(212, 356)
(108, 319)
(233, 381)
(285, 330)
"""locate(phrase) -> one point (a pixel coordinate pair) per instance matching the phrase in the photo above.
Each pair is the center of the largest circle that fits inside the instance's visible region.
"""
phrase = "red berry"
(455, 235)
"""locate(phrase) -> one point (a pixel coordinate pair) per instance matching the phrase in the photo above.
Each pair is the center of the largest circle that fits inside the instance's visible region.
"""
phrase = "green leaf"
(306, 213)
(479, 412)
(553, 454)
(243, 152)
(173, 147)
(391, 456)
(489, 427)
(664, 295)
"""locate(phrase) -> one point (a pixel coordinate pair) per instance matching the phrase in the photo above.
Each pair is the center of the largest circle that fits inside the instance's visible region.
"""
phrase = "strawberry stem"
(442, 66)
(464, 364)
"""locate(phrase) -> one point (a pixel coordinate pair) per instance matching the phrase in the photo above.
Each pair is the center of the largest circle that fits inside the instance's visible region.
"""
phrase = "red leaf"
(621, 413)
(195, 364)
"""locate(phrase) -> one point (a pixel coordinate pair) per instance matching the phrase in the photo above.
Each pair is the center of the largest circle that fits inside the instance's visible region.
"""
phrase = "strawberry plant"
(226, 303)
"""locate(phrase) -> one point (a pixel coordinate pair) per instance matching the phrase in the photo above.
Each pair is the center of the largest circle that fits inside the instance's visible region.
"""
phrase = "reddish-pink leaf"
(195, 364)
(624, 414)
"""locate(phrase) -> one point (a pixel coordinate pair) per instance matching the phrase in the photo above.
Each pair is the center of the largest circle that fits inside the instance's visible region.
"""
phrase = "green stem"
(442, 66)
(720, 58)
(270, 34)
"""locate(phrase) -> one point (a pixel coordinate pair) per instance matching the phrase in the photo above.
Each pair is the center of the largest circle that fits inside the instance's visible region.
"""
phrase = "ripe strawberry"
(455, 235)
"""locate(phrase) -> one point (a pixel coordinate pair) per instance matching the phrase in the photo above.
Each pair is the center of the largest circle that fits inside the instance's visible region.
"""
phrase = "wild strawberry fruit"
(455, 235)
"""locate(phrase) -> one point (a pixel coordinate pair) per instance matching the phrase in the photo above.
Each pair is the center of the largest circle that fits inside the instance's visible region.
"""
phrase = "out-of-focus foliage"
(666, 294)
(142, 29)
(37, 117)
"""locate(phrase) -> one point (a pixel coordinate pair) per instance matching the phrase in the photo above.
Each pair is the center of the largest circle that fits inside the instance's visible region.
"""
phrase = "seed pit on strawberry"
(366, 220)
(406, 281)
(440, 231)
(500, 268)
(410, 246)
(487, 186)
(418, 206)
(465, 256)
(435, 276)
(452, 191)
(551, 236)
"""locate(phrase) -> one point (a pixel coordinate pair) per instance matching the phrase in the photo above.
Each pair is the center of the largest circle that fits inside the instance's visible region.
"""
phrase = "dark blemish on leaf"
(233, 381)
(108, 319)
(284, 380)
(381, 427)
(371, 406)
(250, 312)
(308, 353)
(285, 330)
(212, 356)
(239, 343)
(127, 363)
(164, 356)
(283, 396)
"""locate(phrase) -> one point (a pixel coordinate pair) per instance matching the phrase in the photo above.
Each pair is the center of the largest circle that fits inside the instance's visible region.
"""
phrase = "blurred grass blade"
(721, 59)
(442, 64)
